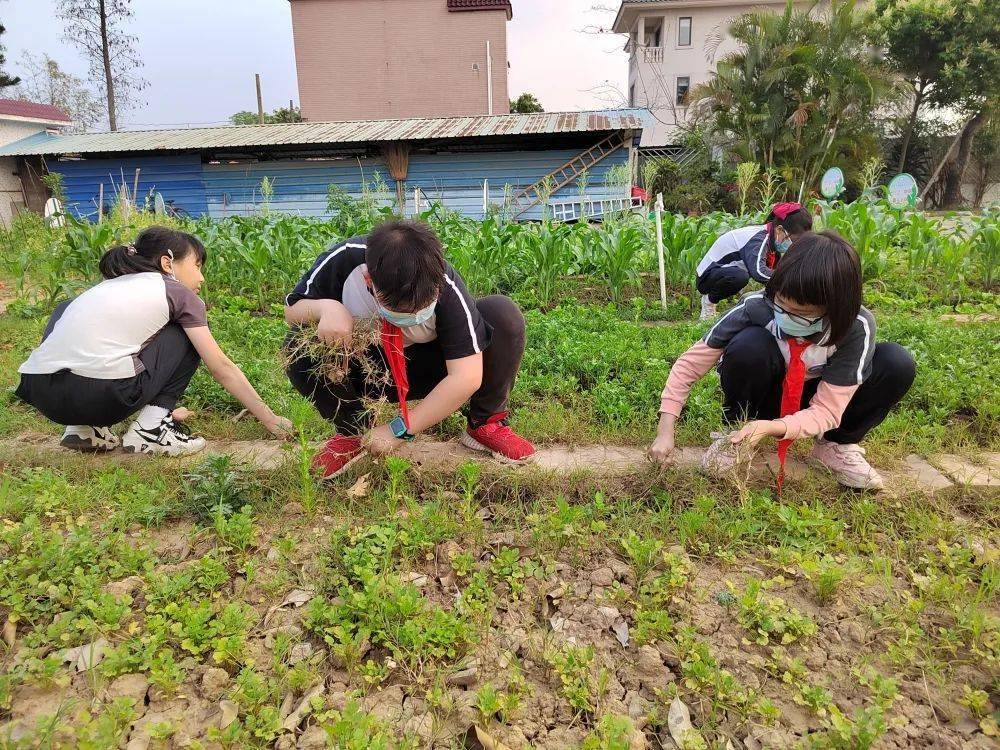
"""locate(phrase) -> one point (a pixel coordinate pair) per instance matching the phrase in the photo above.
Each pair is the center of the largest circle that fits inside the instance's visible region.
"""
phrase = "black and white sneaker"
(80, 437)
(168, 438)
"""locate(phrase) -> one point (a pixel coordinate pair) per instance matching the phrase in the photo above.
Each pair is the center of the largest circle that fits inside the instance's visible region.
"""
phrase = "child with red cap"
(748, 253)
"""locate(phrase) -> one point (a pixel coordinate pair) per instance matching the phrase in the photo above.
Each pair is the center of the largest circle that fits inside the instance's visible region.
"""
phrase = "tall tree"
(5, 79)
(97, 28)
(44, 81)
(969, 83)
(526, 104)
(914, 35)
(800, 92)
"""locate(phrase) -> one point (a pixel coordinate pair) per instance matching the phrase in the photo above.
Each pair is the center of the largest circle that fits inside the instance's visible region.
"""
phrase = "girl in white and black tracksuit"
(131, 345)
(748, 253)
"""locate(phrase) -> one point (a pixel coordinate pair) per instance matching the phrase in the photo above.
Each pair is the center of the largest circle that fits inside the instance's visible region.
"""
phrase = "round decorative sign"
(903, 191)
(832, 183)
(159, 205)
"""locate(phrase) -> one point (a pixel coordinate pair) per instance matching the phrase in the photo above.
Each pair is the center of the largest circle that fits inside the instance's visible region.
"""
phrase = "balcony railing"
(652, 54)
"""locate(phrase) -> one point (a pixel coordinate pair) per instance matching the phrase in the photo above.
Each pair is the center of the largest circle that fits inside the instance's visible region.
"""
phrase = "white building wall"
(653, 71)
(10, 184)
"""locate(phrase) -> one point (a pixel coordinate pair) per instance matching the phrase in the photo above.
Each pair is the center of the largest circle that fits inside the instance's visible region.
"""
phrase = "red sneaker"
(496, 437)
(339, 452)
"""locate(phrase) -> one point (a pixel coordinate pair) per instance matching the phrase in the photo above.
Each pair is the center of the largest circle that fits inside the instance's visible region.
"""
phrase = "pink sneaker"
(848, 465)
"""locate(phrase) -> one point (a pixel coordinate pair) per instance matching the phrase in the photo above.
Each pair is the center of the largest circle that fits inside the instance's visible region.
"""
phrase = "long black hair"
(824, 271)
(145, 253)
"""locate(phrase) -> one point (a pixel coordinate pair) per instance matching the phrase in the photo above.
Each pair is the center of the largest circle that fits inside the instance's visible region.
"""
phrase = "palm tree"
(799, 92)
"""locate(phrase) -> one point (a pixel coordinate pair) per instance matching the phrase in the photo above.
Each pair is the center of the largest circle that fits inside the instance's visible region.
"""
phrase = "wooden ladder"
(534, 194)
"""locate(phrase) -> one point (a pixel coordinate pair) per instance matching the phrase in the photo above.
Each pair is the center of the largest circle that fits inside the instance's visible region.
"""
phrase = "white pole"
(486, 196)
(659, 249)
(489, 78)
(416, 201)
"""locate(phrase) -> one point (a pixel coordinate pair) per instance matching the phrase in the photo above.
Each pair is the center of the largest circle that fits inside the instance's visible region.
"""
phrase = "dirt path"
(930, 475)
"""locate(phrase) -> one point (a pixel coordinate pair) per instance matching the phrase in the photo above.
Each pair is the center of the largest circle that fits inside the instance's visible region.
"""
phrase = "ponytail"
(791, 217)
(146, 253)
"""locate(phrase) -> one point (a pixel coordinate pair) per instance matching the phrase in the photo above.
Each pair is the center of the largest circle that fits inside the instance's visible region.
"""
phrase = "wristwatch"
(398, 428)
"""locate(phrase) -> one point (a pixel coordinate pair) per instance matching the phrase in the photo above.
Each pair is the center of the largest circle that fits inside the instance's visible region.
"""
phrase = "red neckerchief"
(772, 255)
(392, 343)
(791, 395)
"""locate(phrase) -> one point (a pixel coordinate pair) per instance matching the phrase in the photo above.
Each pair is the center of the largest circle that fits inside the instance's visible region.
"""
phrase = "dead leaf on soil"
(9, 632)
(620, 629)
(360, 488)
(87, 656)
(296, 598)
(681, 730)
(304, 708)
(479, 739)
(228, 711)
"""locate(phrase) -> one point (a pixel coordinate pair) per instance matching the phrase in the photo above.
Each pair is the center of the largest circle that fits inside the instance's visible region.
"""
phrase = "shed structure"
(219, 171)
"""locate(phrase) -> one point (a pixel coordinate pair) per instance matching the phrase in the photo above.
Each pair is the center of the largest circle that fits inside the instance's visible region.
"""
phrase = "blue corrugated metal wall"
(178, 177)
(300, 186)
(456, 180)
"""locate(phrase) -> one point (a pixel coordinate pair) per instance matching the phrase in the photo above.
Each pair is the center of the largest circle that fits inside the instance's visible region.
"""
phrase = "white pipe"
(486, 196)
(489, 78)
(659, 249)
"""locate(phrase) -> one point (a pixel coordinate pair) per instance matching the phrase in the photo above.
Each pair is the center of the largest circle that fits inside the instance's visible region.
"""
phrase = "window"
(656, 37)
(684, 31)
(683, 85)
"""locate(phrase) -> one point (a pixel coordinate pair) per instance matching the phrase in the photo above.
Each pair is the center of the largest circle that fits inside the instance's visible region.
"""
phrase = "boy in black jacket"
(453, 348)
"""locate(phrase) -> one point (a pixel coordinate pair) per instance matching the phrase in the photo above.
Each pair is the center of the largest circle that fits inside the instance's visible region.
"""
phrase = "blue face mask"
(407, 320)
(796, 328)
(782, 247)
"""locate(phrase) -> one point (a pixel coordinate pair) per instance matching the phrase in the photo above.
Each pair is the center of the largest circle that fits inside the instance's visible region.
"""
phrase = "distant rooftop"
(454, 5)
(327, 133)
(32, 111)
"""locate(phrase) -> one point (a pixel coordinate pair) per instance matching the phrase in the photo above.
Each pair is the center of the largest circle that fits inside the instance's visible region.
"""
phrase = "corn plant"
(986, 245)
(618, 246)
(869, 227)
(545, 254)
(747, 173)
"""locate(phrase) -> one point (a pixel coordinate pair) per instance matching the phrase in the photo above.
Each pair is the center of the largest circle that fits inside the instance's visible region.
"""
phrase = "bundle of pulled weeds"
(332, 361)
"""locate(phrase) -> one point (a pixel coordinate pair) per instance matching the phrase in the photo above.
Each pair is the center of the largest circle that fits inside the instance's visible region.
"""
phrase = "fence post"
(416, 201)
(486, 197)
(659, 249)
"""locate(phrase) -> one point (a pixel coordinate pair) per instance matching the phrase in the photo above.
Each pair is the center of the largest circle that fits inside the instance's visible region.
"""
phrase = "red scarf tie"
(791, 396)
(392, 343)
(772, 256)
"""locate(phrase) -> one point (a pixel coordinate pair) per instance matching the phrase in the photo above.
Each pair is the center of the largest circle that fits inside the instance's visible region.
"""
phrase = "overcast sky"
(201, 55)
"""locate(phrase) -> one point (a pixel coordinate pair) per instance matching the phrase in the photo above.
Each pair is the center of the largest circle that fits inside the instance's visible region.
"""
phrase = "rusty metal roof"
(326, 133)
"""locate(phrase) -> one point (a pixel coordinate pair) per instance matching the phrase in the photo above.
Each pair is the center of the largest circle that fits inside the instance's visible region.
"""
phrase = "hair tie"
(130, 249)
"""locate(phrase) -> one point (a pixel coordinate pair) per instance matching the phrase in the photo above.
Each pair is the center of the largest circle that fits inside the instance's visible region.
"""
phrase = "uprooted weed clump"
(405, 609)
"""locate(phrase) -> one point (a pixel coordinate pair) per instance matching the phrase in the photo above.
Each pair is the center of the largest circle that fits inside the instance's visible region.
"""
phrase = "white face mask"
(407, 320)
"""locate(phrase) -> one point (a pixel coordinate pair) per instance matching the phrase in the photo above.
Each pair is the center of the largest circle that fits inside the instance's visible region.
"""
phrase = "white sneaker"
(848, 464)
(708, 310)
(79, 437)
(168, 438)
